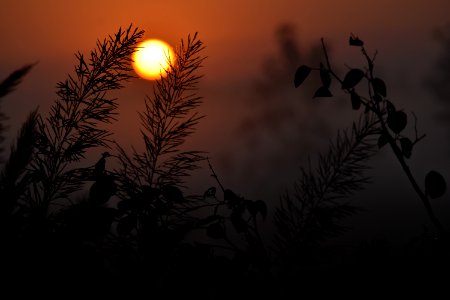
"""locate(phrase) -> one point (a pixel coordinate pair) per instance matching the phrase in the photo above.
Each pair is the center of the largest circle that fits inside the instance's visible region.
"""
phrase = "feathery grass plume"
(74, 124)
(13, 176)
(7, 86)
(319, 201)
(152, 204)
(169, 118)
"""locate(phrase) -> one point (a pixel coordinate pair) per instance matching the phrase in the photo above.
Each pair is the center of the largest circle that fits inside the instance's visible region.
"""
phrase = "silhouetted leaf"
(397, 121)
(301, 74)
(208, 220)
(231, 198)
(322, 92)
(355, 41)
(215, 231)
(210, 193)
(390, 107)
(435, 185)
(172, 193)
(382, 140)
(325, 76)
(379, 86)
(356, 100)
(352, 78)
(407, 146)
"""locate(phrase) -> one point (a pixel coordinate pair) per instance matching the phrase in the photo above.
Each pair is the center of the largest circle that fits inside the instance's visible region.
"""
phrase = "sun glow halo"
(151, 59)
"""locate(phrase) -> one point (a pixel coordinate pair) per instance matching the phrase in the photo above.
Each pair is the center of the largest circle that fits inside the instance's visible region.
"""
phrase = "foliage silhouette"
(74, 123)
(153, 236)
(390, 121)
(7, 86)
(320, 198)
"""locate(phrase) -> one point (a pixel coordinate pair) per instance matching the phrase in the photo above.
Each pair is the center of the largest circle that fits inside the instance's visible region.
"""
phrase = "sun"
(151, 59)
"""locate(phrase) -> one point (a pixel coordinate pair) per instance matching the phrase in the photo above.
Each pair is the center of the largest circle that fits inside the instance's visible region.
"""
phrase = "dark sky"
(239, 36)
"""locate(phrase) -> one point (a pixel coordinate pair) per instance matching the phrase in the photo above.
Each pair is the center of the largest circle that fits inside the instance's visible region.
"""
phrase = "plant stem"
(397, 151)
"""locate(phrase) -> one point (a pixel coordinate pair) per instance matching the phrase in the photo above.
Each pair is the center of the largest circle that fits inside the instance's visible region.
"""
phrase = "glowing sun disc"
(151, 59)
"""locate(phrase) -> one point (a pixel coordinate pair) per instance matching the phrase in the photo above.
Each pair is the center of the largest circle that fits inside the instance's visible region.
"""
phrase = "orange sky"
(238, 35)
(52, 30)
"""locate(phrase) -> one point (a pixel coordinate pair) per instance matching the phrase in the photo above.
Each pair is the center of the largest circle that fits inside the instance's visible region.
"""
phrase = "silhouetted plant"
(320, 199)
(234, 215)
(7, 86)
(74, 124)
(14, 179)
(12, 175)
(390, 122)
(153, 211)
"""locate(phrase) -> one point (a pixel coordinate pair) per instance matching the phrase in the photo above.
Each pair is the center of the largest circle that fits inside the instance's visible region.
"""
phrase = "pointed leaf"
(379, 86)
(352, 78)
(397, 121)
(325, 76)
(407, 146)
(322, 92)
(356, 100)
(435, 185)
(301, 74)
(355, 41)
(382, 140)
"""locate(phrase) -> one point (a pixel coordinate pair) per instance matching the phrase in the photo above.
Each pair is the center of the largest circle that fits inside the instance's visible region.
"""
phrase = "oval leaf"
(325, 76)
(379, 86)
(322, 92)
(356, 100)
(397, 121)
(435, 185)
(407, 146)
(301, 74)
(352, 78)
